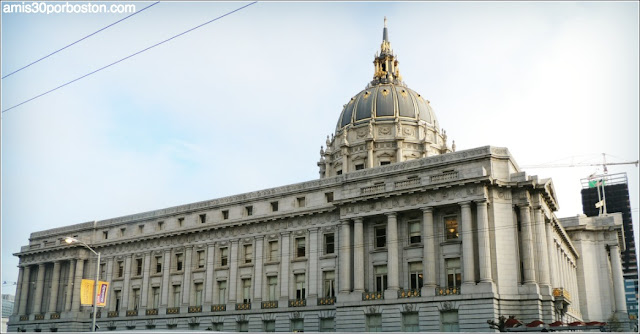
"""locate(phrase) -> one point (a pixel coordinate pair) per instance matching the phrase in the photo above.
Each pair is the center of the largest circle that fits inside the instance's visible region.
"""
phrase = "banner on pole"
(87, 292)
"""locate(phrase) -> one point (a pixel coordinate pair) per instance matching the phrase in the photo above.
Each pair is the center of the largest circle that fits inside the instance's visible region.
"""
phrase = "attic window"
(329, 197)
(105, 235)
(140, 228)
(203, 218)
(225, 214)
(274, 206)
(180, 221)
(301, 202)
(249, 210)
(359, 166)
(383, 163)
(160, 226)
(122, 231)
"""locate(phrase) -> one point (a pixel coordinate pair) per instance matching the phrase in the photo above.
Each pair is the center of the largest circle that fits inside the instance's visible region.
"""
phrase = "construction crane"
(604, 164)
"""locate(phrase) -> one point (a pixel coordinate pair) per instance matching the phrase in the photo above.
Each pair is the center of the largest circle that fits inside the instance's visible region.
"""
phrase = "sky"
(245, 103)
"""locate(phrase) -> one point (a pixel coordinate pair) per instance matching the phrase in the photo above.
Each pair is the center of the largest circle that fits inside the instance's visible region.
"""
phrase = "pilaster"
(284, 266)
(344, 256)
(186, 278)
(468, 274)
(313, 263)
(358, 255)
(392, 253)
(257, 269)
(209, 284)
(428, 253)
(166, 266)
(144, 294)
(233, 272)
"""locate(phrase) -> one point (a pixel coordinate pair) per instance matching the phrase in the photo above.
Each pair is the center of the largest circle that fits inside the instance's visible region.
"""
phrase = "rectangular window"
(327, 325)
(297, 325)
(381, 236)
(203, 218)
(242, 326)
(246, 290)
(329, 243)
(198, 288)
(329, 284)
(384, 163)
(201, 259)
(339, 172)
(225, 214)
(410, 322)
(374, 323)
(120, 269)
(176, 295)
(449, 321)
(136, 299)
(415, 235)
(178, 262)
(138, 267)
(415, 275)
(248, 254)
(123, 232)
(300, 286)
(222, 292)
(451, 224)
(300, 247)
(381, 278)
(329, 197)
(160, 226)
(224, 256)
(105, 235)
(273, 251)
(155, 295)
(274, 206)
(249, 210)
(118, 300)
(140, 229)
(272, 282)
(158, 264)
(454, 278)
(269, 325)
(180, 222)
(301, 202)
(359, 166)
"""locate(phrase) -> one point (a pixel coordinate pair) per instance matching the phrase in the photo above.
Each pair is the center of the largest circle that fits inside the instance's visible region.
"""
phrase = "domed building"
(387, 122)
(400, 233)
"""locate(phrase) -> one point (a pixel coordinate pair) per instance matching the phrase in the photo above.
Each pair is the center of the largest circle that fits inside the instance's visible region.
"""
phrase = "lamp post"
(71, 240)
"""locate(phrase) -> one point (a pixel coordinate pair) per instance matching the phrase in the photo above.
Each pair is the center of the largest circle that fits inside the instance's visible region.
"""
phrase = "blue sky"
(246, 102)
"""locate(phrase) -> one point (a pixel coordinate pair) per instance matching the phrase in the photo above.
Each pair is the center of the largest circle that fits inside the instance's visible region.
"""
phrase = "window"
(200, 255)
(374, 323)
(449, 321)
(155, 297)
(138, 267)
(178, 262)
(301, 202)
(224, 256)
(327, 325)
(339, 172)
(329, 284)
(176, 295)
(180, 221)
(272, 282)
(118, 300)
(274, 206)
(246, 290)
(381, 236)
(329, 197)
(300, 247)
(203, 218)
(248, 254)
(297, 325)
(222, 292)
(383, 163)
(415, 235)
(158, 264)
(300, 286)
(359, 166)
(269, 325)
(225, 214)
(249, 210)
(451, 224)
(415, 275)
(273, 250)
(123, 232)
(329, 243)
(160, 226)
(140, 229)
(242, 326)
(136, 299)
(454, 278)
(120, 269)
(105, 235)
(410, 322)
(198, 288)
(381, 278)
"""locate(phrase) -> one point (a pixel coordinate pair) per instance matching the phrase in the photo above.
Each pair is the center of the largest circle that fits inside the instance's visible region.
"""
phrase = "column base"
(391, 294)
(428, 291)
(486, 287)
(529, 289)
(350, 297)
(546, 290)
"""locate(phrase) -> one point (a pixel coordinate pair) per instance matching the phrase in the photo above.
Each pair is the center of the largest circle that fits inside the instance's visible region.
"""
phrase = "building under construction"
(609, 193)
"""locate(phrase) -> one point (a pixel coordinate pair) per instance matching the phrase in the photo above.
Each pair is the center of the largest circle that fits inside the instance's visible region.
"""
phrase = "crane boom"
(581, 164)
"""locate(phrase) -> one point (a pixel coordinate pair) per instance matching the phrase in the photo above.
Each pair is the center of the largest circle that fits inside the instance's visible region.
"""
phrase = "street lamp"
(71, 240)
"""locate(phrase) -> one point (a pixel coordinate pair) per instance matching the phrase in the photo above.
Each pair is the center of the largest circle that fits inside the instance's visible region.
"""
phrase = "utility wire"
(80, 40)
(129, 56)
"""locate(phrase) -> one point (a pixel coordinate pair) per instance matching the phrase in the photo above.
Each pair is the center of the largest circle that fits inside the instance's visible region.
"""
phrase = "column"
(429, 249)
(166, 266)
(257, 269)
(618, 282)
(233, 271)
(186, 278)
(370, 153)
(527, 245)
(126, 288)
(284, 266)
(541, 245)
(392, 251)
(344, 256)
(77, 283)
(72, 269)
(146, 282)
(468, 274)
(553, 277)
(24, 291)
(16, 306)
(484, 242)
(37, 301)
(209, 281)
(55, 281)
(358, 255)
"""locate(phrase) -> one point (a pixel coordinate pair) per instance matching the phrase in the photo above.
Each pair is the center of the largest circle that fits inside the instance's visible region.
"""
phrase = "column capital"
(536, 207)
(482, 201)
(285, 233)
(427, 209)
(345, 222)
(358, 219)
(259, 237)
(465, 204)
(391, 214)
(524, 205)
(313, 229)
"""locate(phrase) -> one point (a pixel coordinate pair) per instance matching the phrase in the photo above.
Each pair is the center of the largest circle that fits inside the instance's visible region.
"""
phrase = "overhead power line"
(80, 40)
(129, 56)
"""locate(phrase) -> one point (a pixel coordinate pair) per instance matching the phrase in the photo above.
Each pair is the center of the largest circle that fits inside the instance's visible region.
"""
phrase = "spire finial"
(385, 21)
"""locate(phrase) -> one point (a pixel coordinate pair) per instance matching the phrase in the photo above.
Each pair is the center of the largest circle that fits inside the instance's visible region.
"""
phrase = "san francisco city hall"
(400, 233)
